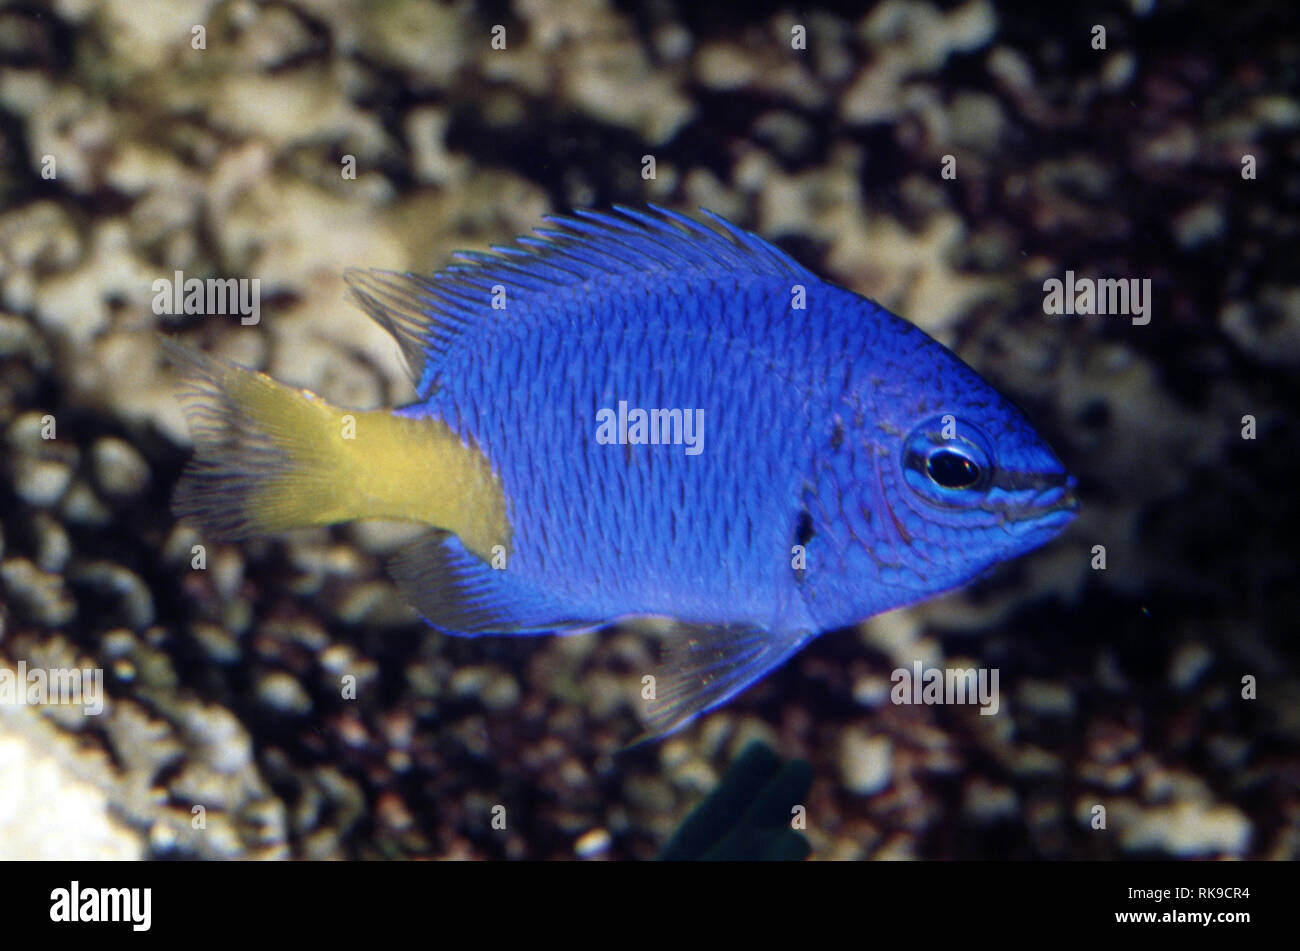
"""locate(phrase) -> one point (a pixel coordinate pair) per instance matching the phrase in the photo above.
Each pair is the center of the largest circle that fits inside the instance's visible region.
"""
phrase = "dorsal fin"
(425, 314)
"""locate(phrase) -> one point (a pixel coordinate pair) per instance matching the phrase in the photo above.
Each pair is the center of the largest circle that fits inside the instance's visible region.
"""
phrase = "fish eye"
(951, 469)
(948, 468)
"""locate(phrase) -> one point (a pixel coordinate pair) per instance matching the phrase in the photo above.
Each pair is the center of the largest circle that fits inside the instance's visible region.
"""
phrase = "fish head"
(980, 475)
(945, 478)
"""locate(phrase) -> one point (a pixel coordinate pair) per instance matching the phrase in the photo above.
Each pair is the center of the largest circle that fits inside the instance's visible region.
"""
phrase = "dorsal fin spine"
(427, 314)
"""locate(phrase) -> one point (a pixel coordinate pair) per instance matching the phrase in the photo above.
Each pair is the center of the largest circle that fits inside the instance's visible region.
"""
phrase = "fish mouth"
(1057, 498)
(1054, 506)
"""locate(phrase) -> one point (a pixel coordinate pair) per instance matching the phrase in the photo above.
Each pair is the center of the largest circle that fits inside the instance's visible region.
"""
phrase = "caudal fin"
(270, 457)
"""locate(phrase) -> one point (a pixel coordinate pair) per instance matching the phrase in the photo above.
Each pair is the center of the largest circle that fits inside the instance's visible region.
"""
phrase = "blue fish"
(637, 415)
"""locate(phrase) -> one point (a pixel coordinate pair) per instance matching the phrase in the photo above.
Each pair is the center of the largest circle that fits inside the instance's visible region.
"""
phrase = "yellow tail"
(271, 457)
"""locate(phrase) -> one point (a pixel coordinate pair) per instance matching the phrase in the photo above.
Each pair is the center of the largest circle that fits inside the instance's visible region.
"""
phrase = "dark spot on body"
(804, 531)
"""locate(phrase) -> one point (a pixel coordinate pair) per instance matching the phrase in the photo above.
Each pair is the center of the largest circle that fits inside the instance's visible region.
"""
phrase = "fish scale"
(661, 362)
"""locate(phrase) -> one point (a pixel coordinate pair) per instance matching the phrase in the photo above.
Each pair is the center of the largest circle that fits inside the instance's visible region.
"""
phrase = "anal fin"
(457, 592)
